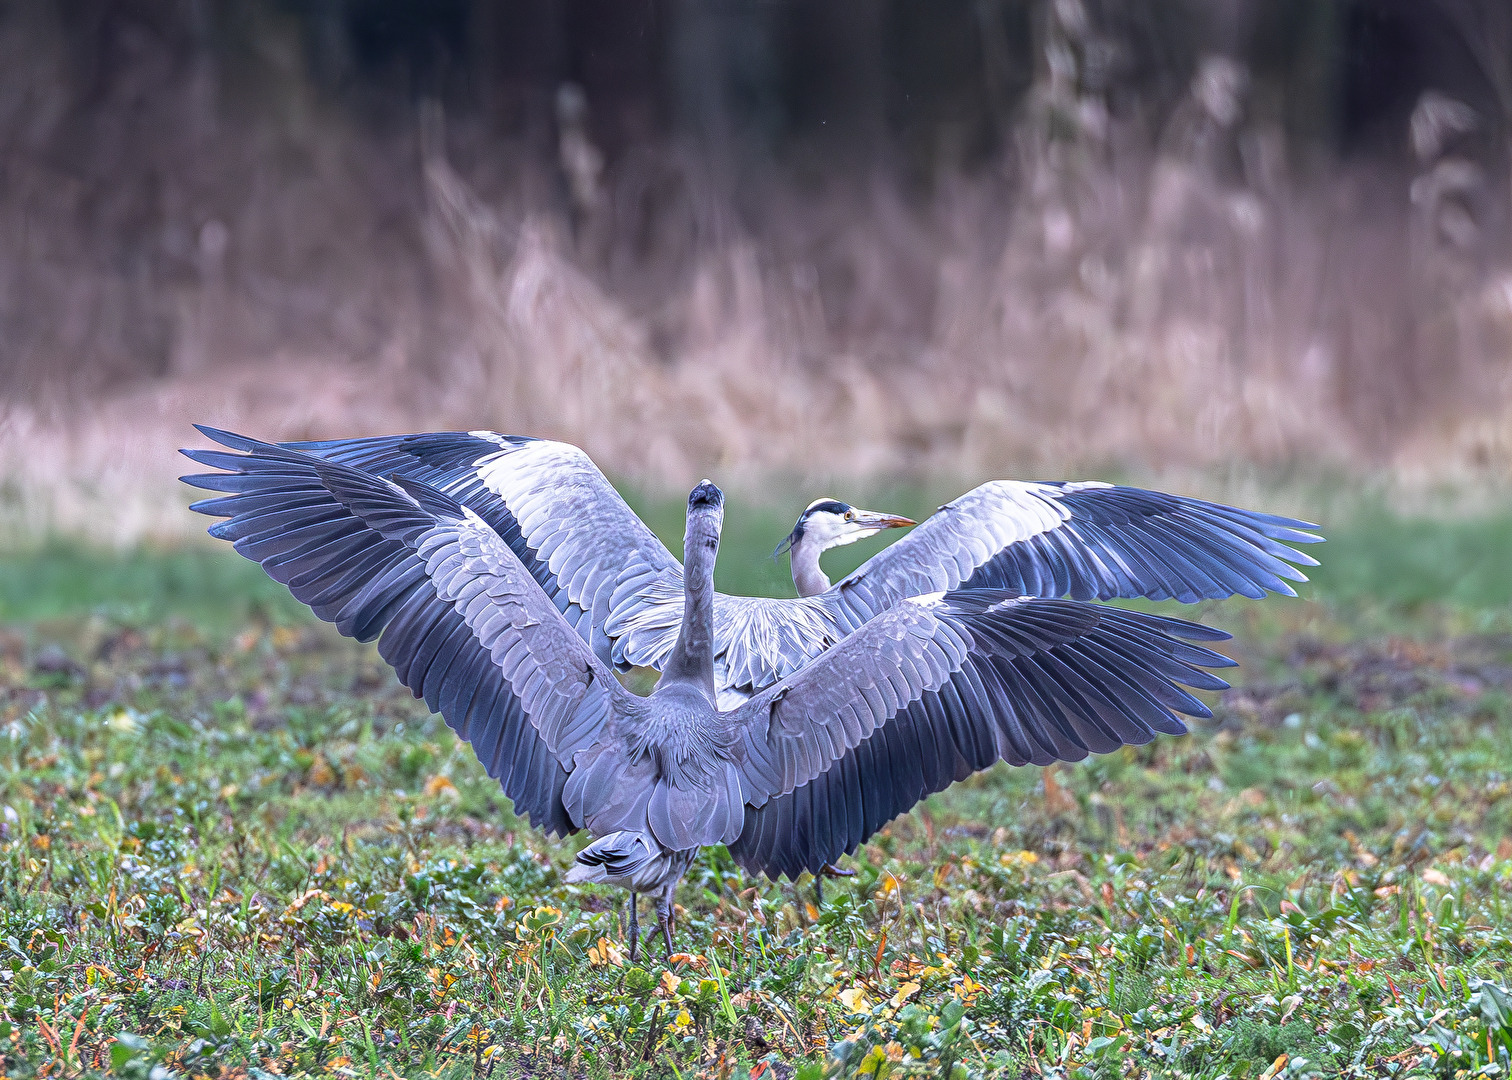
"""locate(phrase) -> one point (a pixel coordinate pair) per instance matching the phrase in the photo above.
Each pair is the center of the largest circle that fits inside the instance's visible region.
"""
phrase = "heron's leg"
(664, 916)
(633, 922)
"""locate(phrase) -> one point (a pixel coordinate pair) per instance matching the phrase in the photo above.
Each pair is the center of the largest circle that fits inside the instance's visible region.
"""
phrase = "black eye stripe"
(831, 506)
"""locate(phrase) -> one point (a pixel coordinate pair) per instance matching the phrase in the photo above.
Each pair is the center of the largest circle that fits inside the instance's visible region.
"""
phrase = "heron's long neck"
(808, 577)
(692, 658)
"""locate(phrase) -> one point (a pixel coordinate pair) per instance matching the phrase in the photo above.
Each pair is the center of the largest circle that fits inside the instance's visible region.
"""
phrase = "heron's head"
(705, 513)
(705, 494)
(830, 523)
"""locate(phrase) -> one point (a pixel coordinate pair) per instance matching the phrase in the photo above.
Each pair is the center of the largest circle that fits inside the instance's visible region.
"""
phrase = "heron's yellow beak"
(868, 522)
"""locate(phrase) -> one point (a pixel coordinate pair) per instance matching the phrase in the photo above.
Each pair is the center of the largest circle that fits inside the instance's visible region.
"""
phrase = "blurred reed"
(1116, 293)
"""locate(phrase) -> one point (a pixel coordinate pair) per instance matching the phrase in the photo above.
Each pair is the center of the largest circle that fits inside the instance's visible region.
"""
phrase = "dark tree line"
(902, 82)
(874, 78)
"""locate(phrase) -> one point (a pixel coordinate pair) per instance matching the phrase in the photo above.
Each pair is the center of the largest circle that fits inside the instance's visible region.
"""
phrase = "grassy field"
(231, 845)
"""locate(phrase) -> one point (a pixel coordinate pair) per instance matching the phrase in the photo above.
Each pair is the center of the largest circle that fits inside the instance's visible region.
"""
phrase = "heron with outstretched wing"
(905, 699)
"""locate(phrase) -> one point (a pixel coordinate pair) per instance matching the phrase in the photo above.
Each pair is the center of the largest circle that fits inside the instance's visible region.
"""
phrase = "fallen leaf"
(906, 991)
(1275, 1067)
(854, 999)
(606, 954)
(912, 966)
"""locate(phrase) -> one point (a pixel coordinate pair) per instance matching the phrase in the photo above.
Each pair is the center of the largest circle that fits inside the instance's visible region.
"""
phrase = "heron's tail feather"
(614, 858)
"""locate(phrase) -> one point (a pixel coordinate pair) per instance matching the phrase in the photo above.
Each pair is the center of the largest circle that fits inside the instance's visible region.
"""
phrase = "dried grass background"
(1168, 292)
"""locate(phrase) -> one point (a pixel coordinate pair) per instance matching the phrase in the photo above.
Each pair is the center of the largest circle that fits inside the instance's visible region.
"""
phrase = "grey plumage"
(914, 696)
(623, 590)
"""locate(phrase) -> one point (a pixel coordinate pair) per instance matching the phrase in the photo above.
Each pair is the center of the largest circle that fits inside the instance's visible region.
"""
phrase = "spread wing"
(558, 513)
(456, 614)
(1088, 541)
(939, 687)
(603, 568)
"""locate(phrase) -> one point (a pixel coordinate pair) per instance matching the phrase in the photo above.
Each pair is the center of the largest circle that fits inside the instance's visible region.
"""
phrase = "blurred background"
(820, 240)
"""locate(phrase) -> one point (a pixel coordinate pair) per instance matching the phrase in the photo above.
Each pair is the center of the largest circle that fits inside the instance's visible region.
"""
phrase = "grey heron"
(827, 524)
(914, 696)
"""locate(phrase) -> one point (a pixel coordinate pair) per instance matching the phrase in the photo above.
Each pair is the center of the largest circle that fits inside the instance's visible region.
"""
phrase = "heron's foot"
(664, 920)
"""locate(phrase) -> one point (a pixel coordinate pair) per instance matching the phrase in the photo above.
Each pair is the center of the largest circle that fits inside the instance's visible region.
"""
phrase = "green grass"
(210, 587)
(1414, 563)
(230, 842)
